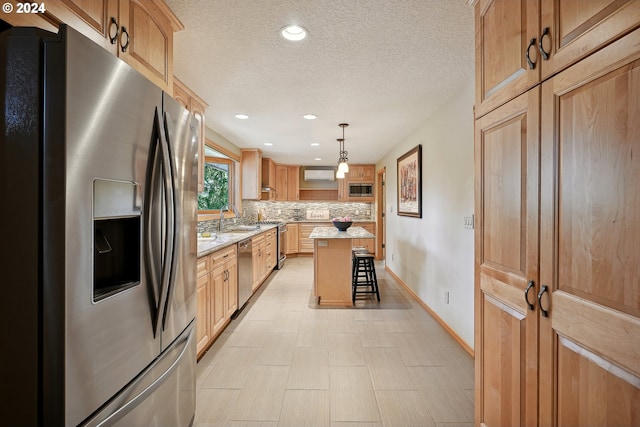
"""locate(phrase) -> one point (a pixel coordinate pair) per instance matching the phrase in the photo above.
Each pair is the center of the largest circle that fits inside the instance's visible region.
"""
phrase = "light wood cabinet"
(217, 293)
(146, 39)
(343, 190)
(192, 102)
(139, 32)
(281, 183)
(509, 31)
(287, 182)
(293, 183)
(361, 173)
(231, 288)
(369, 244)
(305, 244)
(271, 251)
(251, 167)
(203, 332)
(259, 260)
(264, 256)
(292, 239)
(269, 180)
(557, 190)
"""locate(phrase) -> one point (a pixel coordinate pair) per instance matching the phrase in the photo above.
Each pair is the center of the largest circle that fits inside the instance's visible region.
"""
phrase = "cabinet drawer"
(202, 266)
(222, 255)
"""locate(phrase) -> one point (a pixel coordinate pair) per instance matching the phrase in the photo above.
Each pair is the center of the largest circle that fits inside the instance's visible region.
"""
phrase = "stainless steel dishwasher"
(245, 269)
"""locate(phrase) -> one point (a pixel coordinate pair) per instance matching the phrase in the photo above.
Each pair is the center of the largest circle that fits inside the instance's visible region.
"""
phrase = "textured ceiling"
(381, 66)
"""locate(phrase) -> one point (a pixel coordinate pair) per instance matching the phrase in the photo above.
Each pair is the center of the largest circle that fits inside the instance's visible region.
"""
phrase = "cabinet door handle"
(114, 38)
(544, 53)
(526, 295)
(532, 65)
(544, 312)
(124, 47)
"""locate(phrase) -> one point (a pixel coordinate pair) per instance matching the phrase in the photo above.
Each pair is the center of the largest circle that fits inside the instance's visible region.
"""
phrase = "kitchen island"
(332, 263)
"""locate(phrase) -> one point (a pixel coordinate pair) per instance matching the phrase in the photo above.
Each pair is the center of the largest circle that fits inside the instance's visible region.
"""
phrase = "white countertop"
(333, 233)
(231, 237)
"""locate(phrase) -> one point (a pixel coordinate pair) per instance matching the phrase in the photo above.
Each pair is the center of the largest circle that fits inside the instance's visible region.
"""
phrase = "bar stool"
(354, 251)
(364, 276)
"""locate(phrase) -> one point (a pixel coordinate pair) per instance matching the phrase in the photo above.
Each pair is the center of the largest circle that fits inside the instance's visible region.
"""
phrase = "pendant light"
(343, 166)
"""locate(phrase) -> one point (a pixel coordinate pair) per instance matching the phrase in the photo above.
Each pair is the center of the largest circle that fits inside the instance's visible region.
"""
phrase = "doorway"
(381, 221)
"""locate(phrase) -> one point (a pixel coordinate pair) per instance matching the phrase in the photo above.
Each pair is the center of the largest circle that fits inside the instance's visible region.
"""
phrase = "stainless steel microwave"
(360, 190)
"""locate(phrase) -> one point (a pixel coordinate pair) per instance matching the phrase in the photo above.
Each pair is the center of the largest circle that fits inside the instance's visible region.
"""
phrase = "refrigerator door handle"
(168, 247)
(172, 226)
(151, 257)
(139, 390)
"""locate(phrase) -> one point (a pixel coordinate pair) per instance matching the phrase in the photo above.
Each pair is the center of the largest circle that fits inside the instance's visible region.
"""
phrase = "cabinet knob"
(532, 65)
(544, 53)
(124, 46)
(526, 295)
(114, 38)
(545, 313)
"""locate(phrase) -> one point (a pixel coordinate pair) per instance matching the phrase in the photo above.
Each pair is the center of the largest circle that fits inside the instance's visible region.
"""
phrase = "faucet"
(228, 207)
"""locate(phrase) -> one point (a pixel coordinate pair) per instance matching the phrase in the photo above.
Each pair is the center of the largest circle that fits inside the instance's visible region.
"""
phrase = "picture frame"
(410, 183)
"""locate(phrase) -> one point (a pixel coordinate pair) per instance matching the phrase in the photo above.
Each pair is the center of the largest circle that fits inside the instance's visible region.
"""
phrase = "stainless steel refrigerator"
(98, 181)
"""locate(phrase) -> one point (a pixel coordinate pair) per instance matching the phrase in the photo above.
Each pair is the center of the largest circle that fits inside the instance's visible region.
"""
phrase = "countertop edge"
(208, 248)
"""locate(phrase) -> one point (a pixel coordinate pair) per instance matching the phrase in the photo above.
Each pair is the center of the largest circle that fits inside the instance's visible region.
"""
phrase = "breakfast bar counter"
(332, 263)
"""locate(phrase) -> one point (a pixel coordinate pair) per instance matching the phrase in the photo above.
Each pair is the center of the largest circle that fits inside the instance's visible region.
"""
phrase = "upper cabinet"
(269, 182)
(146, 39)
(139, 32)
(361, 173)
(251, 167)
(287, 182)
(293, 183)
(192, 102)
(519, 43)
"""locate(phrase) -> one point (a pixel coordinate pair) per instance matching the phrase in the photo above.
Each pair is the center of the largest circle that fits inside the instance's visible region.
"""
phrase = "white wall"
(434, 254)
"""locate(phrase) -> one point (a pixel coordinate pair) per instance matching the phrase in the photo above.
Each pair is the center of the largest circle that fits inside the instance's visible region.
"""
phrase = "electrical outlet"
(357, 212)
(446, 297)
(391, 257)
(469, 222)
(279, 211)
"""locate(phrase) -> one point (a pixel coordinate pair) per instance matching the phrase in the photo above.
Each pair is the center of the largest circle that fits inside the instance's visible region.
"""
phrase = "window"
(220, 177)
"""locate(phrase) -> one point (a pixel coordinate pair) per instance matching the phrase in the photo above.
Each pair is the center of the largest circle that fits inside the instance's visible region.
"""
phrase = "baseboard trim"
(431, 312)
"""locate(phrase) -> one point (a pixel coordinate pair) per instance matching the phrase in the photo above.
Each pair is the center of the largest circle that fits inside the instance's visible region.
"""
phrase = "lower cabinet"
(370, 244)
(305, 243)
(271, 251)
(264, 256)
(217, 290)
(258, 244)
(292, 242)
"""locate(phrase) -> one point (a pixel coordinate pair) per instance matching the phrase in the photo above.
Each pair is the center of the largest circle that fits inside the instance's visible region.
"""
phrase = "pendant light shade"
(343, 166)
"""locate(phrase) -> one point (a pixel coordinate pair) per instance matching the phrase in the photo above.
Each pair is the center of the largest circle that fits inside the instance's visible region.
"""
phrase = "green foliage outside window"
(216, 187)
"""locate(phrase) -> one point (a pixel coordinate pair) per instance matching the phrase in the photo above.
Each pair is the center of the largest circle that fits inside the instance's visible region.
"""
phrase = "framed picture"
(410, 183)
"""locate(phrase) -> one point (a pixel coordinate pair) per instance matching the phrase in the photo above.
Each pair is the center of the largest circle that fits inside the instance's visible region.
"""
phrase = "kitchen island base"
(332, 272)
(332, 264)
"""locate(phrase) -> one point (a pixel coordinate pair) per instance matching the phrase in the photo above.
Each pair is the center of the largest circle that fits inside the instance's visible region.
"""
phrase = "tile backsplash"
(297, 211)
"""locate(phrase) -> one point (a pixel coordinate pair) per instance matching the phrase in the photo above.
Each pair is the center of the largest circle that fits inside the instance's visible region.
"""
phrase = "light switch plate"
(469, 222)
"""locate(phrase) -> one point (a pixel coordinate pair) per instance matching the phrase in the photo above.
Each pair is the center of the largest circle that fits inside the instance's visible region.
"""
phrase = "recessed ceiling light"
(310, 116)
(315, 144)
(293, 32)
(268, 143)
(242, 116)
(317, 158)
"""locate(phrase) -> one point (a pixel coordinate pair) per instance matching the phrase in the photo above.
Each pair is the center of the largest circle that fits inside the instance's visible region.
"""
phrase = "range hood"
(319, 175)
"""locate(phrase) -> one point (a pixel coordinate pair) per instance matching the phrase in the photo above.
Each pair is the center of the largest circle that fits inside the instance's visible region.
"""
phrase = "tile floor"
(285, 362)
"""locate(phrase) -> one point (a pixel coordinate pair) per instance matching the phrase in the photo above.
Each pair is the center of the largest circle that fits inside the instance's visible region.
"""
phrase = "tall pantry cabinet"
(557, 161)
